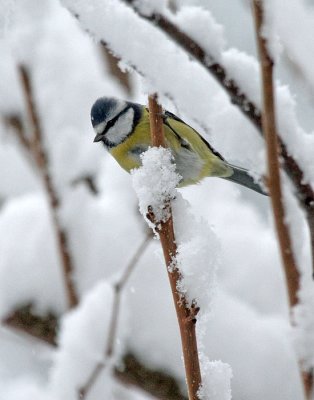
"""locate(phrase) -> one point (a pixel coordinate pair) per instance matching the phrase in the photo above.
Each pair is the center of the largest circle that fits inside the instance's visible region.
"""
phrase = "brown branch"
(115, 312)
(14, 121)
(186, 315)
(274, 182)
(113, 61)
(272, 149)
(39, 154)
(157, 383)
(25, 320)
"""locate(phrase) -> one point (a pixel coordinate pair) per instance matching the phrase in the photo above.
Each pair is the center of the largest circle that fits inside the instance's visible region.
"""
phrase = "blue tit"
(124, 129)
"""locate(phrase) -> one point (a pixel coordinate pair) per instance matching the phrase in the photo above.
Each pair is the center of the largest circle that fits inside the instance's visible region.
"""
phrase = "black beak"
(98, 137)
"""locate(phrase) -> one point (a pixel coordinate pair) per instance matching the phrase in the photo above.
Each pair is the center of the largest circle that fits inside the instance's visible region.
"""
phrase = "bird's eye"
(111, 123)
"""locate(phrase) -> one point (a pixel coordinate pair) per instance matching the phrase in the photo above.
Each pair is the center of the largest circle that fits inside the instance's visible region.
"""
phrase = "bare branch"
(186, 315)
(89, 181)
(113, 61)
(274, 182)
(15, 122)
(25, 320)
(36, 147)
(157, 383)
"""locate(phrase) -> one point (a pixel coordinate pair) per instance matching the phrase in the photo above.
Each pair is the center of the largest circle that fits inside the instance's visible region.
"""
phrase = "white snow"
(216, 377)
(25, 224)
(200, 25)
(82, 342)
(155, 183)
(198, 252)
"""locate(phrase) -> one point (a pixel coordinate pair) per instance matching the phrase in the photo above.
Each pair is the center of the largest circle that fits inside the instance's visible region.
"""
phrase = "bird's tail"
(242, 177)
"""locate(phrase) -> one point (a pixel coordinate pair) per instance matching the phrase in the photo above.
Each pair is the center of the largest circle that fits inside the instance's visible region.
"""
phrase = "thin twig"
(186, 314)
(36, 147)
(89, 181)
(15, 121)
(274, 181)
(113, 326)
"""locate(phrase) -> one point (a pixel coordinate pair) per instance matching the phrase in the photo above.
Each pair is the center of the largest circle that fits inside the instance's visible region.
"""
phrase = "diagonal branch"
(36, 147)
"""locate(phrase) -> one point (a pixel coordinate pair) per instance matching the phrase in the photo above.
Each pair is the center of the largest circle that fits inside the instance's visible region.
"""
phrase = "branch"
(25, 320)
(15, 122)
(157, 383)
(118, 288)
(274, 182)
(112, 62)
(36, 148)
(89, 181)
(186, 315)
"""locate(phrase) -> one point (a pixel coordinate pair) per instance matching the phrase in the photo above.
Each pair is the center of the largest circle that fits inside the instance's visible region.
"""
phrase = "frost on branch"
(155, 182)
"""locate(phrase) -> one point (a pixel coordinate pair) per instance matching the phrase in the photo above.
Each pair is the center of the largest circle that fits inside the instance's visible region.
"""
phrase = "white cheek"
(121, 128)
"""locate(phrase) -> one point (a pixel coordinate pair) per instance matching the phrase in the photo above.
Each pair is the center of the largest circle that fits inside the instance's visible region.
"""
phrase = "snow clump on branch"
(155, 182)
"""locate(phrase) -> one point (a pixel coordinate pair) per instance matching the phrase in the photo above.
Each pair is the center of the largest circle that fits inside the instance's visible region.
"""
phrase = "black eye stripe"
(111, 123)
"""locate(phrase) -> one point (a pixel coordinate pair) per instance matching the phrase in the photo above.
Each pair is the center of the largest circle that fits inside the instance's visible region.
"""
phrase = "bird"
(124, 129)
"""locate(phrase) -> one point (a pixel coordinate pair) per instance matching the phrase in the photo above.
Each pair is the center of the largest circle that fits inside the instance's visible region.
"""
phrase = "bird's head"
(113, 120)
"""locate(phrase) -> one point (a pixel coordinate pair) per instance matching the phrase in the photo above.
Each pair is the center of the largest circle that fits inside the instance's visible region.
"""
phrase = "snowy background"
(244, 326)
